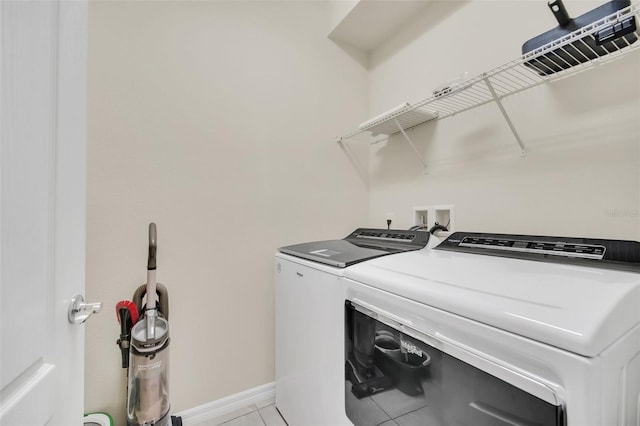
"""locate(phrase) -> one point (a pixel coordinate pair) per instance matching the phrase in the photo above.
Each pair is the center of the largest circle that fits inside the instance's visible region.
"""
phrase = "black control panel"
(389, 238)
(362, 244)
(612, 254)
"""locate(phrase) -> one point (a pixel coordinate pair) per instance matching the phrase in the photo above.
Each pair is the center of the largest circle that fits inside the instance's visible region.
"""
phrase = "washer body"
(309, 325)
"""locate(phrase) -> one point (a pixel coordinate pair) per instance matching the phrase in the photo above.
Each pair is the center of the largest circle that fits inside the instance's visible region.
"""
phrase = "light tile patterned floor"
(250, 416)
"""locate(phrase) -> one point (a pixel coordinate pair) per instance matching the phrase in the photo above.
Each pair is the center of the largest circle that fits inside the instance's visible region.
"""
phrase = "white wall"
(582, 174)
(217, 120)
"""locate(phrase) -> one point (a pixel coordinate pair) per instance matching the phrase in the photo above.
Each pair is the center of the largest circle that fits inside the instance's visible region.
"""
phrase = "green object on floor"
(98, 419)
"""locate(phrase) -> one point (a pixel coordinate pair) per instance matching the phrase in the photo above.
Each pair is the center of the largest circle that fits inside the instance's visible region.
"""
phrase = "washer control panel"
(381, 235)
(615, 254)
(553, 248)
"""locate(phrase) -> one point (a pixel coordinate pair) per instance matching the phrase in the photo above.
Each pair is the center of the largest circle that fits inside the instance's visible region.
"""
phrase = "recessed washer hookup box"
(593, 44)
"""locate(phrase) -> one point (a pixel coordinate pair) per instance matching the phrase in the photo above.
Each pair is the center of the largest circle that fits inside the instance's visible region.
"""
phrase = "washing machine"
(309, 300)
(495, 329)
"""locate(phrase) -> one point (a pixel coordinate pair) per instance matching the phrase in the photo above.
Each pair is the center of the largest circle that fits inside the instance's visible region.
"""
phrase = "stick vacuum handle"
(153, 246)
(150, 314)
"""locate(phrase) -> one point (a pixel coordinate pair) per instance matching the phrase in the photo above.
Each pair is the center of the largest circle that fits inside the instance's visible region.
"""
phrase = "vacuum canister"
(148, 394)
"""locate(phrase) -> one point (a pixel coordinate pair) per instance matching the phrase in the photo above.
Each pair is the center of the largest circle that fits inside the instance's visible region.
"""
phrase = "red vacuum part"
(133, 310)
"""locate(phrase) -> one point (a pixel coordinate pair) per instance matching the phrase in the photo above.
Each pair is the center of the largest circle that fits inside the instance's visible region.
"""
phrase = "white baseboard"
(231, 406)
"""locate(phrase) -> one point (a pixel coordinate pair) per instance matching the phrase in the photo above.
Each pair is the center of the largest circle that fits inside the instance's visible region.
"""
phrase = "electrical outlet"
(391, 217)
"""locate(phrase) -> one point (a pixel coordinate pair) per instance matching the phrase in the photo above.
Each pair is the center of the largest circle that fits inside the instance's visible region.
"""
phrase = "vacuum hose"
(125, 335)
(127, 314)
(162, 295)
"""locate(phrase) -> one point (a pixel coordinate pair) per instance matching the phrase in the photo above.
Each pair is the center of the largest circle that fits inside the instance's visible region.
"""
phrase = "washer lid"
(576, 308)
(338, 253)
(362, 244)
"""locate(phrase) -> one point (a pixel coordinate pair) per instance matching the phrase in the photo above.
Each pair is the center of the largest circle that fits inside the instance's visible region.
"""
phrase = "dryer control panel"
(614, 254)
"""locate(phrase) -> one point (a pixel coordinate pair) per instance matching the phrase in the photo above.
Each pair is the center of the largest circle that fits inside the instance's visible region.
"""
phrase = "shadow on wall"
(618, 82)
(394, 160)
(479, 145)
(357, 151)
(434, 13)
(456, 142)
(356, 54)
(422, 23)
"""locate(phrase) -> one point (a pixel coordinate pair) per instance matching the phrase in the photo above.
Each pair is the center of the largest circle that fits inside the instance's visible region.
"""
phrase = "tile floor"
(389, 408)
(253, 415)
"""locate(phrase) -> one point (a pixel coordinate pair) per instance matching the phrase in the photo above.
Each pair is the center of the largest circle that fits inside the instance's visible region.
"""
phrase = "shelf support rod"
(363, 172)
(424, 163)
(523, 150)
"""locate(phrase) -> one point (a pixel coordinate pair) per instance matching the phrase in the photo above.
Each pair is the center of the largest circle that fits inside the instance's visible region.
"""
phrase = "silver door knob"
(80, 311)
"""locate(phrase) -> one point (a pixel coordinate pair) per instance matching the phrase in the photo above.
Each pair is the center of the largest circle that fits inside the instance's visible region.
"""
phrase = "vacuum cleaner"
(144, 345)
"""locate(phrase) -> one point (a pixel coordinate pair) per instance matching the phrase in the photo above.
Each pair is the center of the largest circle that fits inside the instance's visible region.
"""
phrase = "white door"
(42, 209)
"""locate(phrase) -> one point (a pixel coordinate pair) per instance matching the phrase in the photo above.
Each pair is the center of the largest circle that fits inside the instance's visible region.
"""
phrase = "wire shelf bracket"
(422, 160)
(523, 150)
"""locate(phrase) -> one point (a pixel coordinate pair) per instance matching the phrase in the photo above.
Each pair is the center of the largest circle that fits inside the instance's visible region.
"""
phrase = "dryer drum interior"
(396, 375)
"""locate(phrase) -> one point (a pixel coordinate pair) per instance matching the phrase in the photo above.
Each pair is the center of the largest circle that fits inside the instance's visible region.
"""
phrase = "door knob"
(80, 311)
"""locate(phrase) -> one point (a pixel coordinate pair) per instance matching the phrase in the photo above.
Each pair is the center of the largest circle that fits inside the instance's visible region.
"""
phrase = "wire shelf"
(560, 58)
(406, 118)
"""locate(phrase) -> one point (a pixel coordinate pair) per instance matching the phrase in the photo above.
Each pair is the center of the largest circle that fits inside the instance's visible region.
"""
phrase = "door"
(42, 210)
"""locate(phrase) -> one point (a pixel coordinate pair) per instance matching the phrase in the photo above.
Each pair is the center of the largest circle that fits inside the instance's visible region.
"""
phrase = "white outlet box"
(428, 216)
(421, 216)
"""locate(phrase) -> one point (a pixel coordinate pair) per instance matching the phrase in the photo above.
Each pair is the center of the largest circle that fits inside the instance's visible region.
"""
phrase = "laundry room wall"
(581, 176)
(216, 120)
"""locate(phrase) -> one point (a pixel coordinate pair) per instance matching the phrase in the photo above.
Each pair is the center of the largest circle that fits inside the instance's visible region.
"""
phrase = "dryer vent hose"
(163, 299)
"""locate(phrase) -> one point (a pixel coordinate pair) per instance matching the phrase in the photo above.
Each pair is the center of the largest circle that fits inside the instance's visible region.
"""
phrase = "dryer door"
(392, 373)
